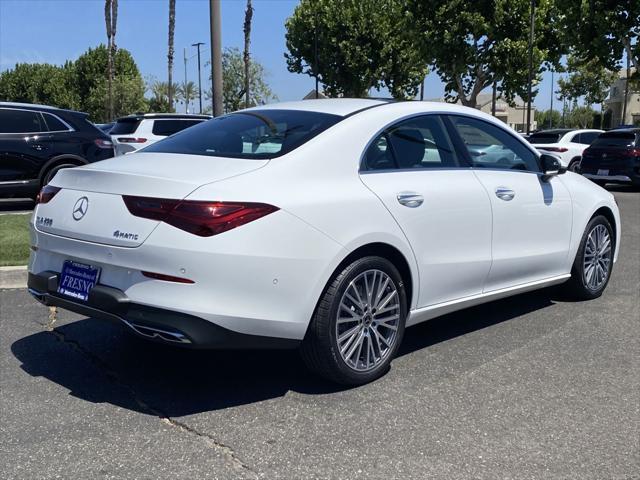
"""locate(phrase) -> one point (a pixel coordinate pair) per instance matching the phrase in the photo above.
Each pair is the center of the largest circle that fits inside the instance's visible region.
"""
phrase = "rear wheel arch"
(56, 162)
(384, 250)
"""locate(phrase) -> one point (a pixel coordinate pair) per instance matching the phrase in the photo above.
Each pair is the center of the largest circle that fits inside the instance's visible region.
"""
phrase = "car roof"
(35, 106)
(335, 106)
(180, 116)
(624, 130)
(555, 131)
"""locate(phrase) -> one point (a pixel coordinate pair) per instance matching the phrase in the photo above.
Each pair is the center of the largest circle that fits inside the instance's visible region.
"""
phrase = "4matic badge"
(125, 235)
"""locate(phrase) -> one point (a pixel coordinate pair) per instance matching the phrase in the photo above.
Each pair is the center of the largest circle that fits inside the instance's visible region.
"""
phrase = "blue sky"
(56, 30)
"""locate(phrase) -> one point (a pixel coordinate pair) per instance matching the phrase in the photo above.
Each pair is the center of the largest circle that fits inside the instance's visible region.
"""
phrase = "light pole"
(551, 107)
(531, 27)
(215, 25)
(197, 45)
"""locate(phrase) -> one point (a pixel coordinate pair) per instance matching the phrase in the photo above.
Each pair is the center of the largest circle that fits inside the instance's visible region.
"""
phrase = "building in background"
(515, 117)
(614, 105)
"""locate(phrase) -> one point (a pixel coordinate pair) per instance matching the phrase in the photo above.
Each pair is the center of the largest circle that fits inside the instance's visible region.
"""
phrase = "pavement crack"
(212, 442)
(225, 450)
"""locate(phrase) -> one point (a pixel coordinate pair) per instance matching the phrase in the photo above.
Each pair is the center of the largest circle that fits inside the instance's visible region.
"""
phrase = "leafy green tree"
(581, 117)
(543, 117)
(233, 79)
(601, 30)
(40, 83)
(361, 44)
(92, 85)
(473, 44)
(588, 79)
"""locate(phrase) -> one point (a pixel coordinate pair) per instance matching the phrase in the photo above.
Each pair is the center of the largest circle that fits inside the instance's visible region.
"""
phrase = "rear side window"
(249, 134)
(418, 143)
(168, 127)
(587, 138)
(54, 124)
(20, 121)
(616, 139)
(544, 138)
(125, 126)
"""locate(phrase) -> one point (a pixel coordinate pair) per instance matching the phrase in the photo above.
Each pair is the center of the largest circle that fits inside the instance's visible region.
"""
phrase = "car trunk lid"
(90, 204)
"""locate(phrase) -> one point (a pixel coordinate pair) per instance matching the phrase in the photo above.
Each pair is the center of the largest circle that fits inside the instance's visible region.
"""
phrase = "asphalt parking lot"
(531, 387)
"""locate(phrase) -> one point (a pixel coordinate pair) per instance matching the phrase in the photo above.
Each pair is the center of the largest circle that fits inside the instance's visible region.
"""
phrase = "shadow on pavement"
(162, 380)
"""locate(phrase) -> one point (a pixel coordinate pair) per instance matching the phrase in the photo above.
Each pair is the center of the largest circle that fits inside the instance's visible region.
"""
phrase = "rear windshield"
(250, 134)
(544, 138)
(125, 126)
(168, 127)
(615, 139)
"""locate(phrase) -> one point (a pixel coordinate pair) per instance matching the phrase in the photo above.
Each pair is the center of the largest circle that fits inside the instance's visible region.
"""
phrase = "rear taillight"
(101, 143)
(554, 149)
(631, 152)
(46, 194)
(131, 140)
(201, 218)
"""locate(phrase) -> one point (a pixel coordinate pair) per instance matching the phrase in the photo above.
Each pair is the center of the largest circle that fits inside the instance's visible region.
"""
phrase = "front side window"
(587, 138)
(417, 143)
(490, 146)
(254, 134)
(20, 121)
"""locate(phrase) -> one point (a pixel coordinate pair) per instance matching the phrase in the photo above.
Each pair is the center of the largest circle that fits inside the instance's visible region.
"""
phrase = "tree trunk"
(172, 27)
(248, 14)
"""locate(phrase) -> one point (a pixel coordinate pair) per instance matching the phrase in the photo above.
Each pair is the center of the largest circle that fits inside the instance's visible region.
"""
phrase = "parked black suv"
(613, 157)
(36, 141)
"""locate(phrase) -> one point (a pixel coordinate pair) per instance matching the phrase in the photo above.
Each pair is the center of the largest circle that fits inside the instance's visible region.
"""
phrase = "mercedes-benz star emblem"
(80, 208)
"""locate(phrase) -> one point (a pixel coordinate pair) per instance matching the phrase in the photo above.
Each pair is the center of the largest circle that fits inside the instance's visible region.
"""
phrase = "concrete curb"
(13, 277)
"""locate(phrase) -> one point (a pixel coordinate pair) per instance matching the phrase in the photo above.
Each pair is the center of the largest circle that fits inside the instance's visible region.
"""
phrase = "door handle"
(410, 199)
(505, 193)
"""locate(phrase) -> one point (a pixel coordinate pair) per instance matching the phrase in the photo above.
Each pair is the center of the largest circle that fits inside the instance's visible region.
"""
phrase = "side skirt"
(427, 313)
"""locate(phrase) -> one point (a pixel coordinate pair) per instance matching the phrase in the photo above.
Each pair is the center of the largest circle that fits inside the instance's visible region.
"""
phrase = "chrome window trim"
(70, 128)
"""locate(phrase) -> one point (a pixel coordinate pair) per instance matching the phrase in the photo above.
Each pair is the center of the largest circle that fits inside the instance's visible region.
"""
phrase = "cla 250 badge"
(44, 221)
(125, 235)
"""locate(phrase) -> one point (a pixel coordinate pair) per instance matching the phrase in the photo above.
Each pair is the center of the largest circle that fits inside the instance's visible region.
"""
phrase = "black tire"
(574, 165)
(577, 284)
(320, 347)
(49, 174)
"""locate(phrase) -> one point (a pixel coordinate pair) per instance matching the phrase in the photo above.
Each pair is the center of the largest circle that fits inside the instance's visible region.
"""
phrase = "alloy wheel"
(597, 257)
(367, 320)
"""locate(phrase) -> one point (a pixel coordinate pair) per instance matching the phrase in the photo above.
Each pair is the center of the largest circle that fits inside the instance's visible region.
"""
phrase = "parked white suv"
(566, 144)
(134, 132)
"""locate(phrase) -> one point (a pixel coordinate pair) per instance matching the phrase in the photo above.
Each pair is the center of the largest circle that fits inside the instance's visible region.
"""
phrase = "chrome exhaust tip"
(158, 334)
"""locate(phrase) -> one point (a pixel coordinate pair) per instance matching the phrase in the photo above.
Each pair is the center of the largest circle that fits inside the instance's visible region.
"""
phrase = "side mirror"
(551, 166)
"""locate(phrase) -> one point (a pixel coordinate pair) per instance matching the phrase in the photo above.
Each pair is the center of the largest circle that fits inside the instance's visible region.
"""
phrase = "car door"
(438, 203)
(532, 217)
(23, 145)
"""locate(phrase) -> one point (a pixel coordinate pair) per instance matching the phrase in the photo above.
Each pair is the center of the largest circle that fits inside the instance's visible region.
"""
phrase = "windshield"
(544, 138)
(250, 134)
(615, 139)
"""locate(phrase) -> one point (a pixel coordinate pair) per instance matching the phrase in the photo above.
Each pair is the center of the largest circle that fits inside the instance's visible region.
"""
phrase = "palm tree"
(110, 18)
(187, 91)
(172, 27)
(248, 14)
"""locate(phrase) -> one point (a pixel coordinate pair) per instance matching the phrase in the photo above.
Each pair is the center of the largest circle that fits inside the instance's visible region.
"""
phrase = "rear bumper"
(610, 178)
(151, 323)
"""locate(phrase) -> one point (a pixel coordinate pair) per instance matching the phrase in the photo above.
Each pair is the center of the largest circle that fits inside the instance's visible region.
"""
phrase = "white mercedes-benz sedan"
(329, 225)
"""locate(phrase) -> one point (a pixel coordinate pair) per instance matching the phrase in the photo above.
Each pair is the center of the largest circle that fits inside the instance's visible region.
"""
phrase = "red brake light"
(101, 143)
(554, 149)
(46, 194)
(201, 218)
(131, 140)
(631, 152)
